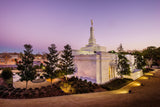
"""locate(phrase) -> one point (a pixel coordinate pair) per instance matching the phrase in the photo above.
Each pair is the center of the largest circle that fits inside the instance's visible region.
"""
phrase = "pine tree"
(51, 64)
(123, 66)
(66, 64)
(26, 65)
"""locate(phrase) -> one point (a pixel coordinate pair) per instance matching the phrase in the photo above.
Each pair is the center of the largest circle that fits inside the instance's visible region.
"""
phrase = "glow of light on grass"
(149, 74)
(66, 87)
(143, 78)
(43, 68)
(135, 84)
(121, 91)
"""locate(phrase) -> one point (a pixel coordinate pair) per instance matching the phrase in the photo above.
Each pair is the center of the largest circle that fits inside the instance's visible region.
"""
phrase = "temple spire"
(92, 40)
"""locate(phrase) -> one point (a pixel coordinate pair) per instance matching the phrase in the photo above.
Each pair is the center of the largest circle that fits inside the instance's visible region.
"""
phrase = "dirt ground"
(140, 96)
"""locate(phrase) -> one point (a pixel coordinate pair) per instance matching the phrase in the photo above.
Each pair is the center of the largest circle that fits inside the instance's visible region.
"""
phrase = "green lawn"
(116, 84)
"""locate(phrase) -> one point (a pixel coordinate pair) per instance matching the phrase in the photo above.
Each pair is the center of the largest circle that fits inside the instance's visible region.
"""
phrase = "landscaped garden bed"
(71, 86)
(78, 85)
(18, 93)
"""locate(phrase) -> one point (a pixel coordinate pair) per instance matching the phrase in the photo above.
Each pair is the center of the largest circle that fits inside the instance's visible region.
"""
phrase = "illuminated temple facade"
(93, 63)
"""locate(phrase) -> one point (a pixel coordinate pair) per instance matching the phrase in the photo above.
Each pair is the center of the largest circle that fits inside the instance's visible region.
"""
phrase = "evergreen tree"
(123, 66)
(26, 65)
(66, 64)
(52, 62)
(139, 60)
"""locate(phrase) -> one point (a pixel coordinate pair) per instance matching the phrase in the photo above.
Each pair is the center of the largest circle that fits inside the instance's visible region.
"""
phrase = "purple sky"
(134, 23)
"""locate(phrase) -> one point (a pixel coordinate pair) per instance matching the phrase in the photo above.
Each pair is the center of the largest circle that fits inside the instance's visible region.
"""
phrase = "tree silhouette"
(139, 61)
(66, 65)
(149, 55)
(26, 65)
(52, 62)
(123, 66)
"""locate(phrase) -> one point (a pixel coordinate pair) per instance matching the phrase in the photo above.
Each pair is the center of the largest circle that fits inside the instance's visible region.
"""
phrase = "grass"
(116, 84)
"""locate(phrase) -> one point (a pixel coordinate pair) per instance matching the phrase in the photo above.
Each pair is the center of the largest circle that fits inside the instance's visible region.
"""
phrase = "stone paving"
(141, 96)
(30, 84)
(20, 84)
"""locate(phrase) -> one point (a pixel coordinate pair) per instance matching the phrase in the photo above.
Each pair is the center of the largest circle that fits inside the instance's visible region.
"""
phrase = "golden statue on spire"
(91, 22)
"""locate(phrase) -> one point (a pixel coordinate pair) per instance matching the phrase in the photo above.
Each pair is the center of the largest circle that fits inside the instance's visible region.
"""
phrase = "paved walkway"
(20, 84)
(141, 96)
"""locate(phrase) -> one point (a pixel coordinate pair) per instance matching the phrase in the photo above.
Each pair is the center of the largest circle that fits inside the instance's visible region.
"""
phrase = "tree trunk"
(149, 62)
(51, 83)
(26, 84)
(66, 77)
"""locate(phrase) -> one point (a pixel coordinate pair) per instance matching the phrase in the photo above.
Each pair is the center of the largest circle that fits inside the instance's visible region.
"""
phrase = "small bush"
(25, 94)
(10, 85)
(17, 95)
(10, 89)
(2, 87)
(24, 89)
(41, 77)
(41, 93)
(17, 89)
(1, 92)
(145, 70)
(13, 93)
(30, 89)
(5, 94)
(6, 73)
(37, 89)
(33, 93)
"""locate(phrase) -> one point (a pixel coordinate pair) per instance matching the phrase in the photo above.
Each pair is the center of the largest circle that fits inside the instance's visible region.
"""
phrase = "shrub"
(30, 89)
(145, 70)
(25, 94)
(33, 93)
(41, 77)
(6, 73)
(85, 81)
(17, 95)
(17, 89)
(24, 89)
(10, 89)
(43, 87)
(37, 89)
(2, 87)
(5, 94)
(41, 93)
(10, 85)
(1, 92)
(20, 90)
(13, 93)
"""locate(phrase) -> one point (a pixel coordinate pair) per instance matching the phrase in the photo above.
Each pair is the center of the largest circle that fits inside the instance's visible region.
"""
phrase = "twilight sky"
(134, 23)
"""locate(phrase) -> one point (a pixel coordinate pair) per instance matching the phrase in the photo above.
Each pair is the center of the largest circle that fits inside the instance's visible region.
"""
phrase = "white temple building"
(94, 64)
